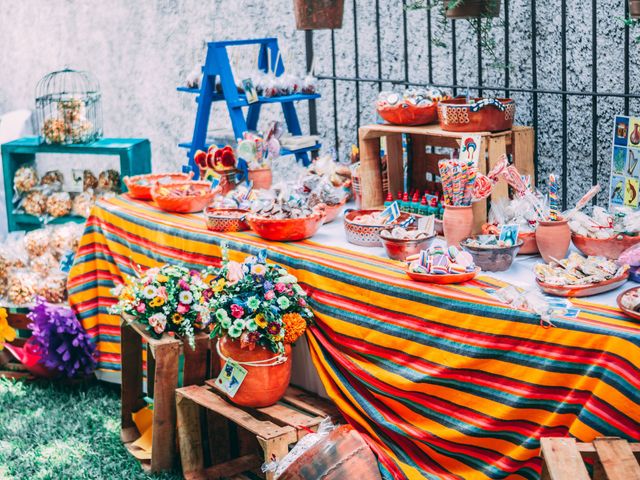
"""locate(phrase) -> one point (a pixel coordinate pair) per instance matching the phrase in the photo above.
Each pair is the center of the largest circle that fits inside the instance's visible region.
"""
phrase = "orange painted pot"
(529, 245)
(553, 239)
(263, 385)
(405, 114)
(286, 230)
(485, 115)
(457, 224)
(261, 178)
(139, 186)
(610, 248)
(184, 203)
(331, 212)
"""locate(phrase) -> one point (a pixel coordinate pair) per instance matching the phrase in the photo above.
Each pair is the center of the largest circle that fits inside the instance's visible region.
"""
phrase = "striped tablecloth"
(445, 381)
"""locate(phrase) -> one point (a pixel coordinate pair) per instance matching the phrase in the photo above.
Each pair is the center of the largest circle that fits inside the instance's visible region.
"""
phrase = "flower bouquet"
(167, 299)
(258, 310)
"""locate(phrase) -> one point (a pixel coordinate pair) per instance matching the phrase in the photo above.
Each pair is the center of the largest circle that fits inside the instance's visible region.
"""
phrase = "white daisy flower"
(149, 292)
(185, 297)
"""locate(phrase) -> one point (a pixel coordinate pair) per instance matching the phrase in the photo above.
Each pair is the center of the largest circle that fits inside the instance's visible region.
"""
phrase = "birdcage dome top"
(66, 84)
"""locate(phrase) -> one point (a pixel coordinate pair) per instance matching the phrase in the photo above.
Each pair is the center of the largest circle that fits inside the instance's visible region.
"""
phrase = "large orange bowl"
(485, 115)
(446, 279)
(630, 313)
(331, 212)
(610, 248)
(583, 290)
(143, 191)
(405, 114)
(286, 230)
(184, 203)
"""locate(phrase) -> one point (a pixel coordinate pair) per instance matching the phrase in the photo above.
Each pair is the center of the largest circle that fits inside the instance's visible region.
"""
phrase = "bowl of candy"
(331, 212)
(441, 265)
(363, 227)
(226, 219)
(490, 253)
(400, 243)
(285, 221)
(139, 186)
(578, 276)
(413, 107)
(610, 248)
(476, 114)
(183, 197)
(629, 302)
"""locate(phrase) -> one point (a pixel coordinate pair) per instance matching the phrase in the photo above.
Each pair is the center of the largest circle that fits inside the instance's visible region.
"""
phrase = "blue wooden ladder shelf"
(217, 65)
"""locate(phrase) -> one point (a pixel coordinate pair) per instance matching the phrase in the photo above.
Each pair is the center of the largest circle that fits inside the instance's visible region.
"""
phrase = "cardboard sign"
(625, 158)
(230, 378)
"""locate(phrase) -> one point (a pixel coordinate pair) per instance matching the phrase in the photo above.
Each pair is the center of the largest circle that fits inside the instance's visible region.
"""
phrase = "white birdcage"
(68, 107)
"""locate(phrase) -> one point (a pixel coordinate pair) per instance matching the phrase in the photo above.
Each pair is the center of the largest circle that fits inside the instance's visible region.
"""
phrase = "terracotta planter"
(610, 248)
(485, 115)
(263, 385)
(634, 8)
(318, 14)
(530, 246)
(553, 239)
(261, 178)
(457, 223)
(473, 9)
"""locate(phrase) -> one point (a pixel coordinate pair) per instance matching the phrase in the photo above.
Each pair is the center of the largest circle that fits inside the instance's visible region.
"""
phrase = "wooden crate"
(270, 430)
(9, 366)
(162, 380)
(613, 459)
(518, 142)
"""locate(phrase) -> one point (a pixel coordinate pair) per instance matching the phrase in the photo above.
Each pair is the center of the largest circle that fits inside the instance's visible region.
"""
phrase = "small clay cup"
(457, 223)
(261, 178)
(553, 239)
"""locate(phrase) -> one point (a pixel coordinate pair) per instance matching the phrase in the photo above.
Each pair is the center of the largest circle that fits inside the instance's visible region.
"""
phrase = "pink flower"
(159, 329)
(302, 302)
(162, 292)
(182, 308)
(280, 287)
(183, 285)
(234, 273)
(269, 295)
(237, 311)
(141, 308)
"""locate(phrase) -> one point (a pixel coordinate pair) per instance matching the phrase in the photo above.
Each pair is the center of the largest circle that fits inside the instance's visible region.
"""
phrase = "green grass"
(56, 431)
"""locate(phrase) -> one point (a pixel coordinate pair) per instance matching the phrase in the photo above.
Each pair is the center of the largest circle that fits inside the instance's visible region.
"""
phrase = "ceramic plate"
(629, 313)
(583, 290)
(443, 279)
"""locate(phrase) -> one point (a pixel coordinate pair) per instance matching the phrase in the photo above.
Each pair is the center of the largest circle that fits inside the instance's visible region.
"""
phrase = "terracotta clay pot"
(529, 246)
(457, 223)
(263, 385)
(634, 8)
(261, 178)
(553, 239)
(474, 9)
(484, 115)
(318, 14)
(287, 229)
(610, 248)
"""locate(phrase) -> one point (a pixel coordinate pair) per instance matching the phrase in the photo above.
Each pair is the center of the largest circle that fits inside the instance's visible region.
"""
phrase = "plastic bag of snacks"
(65, 238)
(21, 286)
(83, 203)
(36, 242)
(25, 179)
(54, 288)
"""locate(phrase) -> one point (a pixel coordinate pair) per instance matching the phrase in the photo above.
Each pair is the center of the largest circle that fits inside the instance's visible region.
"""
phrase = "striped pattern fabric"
(445, 381)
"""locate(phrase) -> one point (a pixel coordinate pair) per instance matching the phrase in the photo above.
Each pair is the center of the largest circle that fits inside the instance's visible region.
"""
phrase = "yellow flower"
(162, 278)
(7, 333)
(260, 320)
(219, 285)
(176, 318)
(156, 302)
(294, 326)
(277, 338)
(258, 269)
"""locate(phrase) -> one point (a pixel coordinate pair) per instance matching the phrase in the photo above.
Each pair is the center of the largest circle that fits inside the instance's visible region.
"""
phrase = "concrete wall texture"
(141, 50)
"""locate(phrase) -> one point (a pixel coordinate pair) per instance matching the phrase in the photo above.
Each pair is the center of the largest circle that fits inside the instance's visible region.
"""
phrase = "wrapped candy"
(52, 177)
(578, 270)
(89, 181)
(109, 180)
(25, 179)
(83, 203)
(21, 286)
(35, 203)
(59, 204)
(36, 242)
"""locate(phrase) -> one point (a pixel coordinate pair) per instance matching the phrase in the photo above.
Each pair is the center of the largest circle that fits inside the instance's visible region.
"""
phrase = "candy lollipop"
(554, 206)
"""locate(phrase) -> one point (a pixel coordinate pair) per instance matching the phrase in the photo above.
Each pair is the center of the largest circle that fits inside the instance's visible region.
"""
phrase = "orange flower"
(294, 326)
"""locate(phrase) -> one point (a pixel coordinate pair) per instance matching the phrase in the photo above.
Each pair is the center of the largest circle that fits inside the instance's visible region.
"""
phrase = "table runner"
(445, 381)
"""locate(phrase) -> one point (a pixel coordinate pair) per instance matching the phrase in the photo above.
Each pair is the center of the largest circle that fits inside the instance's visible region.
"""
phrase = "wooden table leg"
(195, 362)
(131, 385)
(189, 435)
(395, 164)
(370, 172)
(275, 449)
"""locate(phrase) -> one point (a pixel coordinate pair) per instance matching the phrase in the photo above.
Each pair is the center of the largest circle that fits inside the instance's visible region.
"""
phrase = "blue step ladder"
(216, 65)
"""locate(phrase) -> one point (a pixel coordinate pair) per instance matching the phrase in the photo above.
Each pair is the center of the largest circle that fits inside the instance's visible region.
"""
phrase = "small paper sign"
(76, 185)
(250, 90)
(469, 149)
(391, 213)
(427, 224)
(66, 261)
(509, 234)
(231, 377)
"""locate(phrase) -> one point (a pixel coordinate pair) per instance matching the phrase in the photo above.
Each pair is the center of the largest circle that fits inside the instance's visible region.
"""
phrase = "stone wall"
(142, 50)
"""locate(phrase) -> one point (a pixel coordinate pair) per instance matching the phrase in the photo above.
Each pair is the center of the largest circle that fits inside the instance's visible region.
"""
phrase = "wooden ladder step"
(616, 458)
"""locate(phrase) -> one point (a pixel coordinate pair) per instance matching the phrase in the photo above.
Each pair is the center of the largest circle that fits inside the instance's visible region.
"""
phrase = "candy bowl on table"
(286, 229)
(139, 186)
(489, 253)
(331, 212)
(415, 106)
(578, 276)
(441, 265)
(406, 244)
(629, 302)
(183, 197)
(363, 227)
(610, 248)
(226, 219)
(479, 115)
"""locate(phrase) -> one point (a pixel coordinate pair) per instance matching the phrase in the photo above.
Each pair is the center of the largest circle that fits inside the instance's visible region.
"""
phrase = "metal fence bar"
(534, 84)
(594, 99)
(563, 37)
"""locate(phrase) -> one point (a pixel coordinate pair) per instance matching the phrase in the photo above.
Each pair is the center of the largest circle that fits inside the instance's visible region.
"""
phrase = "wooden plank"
(587, 450)
(418, 165)
(145, 464)
(480, 208)
(523, 146)
(189, 435)
(370, 173)
(495, 149)
(311, 403)
(164, 406)
(195, 361)
(233, 467)
(616, 457)
(561, 460)
(212, 401)
(131, 385)
(395, 164)
(153, 342)
(286, 415)
(18, 320)
(274, 449)
(151, 371)
(218, 437)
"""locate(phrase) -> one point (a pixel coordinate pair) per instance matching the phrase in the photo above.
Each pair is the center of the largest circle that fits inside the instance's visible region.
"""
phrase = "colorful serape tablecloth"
(445, 381)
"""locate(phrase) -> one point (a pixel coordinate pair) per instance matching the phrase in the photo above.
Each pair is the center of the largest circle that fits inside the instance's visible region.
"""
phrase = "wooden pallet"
(270, 430)
(614, 459)
(519, 142)
(162, 380)
(9, 366)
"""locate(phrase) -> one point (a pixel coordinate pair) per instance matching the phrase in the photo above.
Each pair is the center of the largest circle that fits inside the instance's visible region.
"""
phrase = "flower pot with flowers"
(169, 299)
(258, 310)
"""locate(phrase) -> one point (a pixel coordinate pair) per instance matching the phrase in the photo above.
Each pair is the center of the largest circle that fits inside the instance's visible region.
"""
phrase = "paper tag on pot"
(231, 377)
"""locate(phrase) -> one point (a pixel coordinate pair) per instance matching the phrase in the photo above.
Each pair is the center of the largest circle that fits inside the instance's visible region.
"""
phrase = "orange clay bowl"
(405, 114)
(529, 245)
(286, 230)
(625, 310)
(226, 219)
(143, 192)
(364, 234)
(610, 248)
(443, 279)
(583, 290)
(456, 115)
(331, 212)
(184, 203)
